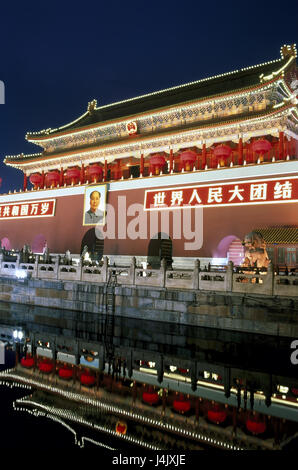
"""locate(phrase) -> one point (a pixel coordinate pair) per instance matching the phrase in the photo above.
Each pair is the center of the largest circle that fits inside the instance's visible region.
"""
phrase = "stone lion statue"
(255, 251)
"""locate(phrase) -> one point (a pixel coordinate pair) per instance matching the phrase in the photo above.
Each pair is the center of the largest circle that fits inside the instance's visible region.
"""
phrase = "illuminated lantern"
(157, 162)
(27, 362)
(260, 147)
(216, 414)
(52, 178)
(181, 404)
(65, 373)
(188, 158)
(222, 153)
(36, 180)
(87, 379)
(121, 427)
(45, 366)
(255, 426)
(73, 175)
(95, 173)
(150, 396)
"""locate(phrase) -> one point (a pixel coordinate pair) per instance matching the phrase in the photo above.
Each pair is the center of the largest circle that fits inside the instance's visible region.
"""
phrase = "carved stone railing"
(221, 278)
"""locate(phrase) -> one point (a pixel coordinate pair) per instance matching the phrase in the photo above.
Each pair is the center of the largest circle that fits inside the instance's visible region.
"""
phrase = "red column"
(43, 179)
(252, 158)
(61, 180)
(171, 160)
(240, 151)
(204, 155)
(82, 175)
(119, 172)
(105, 171)
(25, 182)
(142, 165)
(293, 150)
(281, 146)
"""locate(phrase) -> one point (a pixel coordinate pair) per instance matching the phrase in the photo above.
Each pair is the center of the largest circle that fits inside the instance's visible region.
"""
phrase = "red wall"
(65, 230)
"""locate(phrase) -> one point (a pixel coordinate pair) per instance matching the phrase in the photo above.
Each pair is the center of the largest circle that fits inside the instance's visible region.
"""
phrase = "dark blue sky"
(55, 57)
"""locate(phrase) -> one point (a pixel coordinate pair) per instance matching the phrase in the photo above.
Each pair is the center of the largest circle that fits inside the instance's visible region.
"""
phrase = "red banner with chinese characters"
(224, 194)
(27, 209)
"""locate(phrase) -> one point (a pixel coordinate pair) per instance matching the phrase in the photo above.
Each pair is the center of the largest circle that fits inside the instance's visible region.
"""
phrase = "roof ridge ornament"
(288, 50)
(92, 106)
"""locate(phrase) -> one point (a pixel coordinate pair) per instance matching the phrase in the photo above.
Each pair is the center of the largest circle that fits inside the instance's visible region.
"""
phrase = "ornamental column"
(142, 165)
(25, 182)
(281, 152)
(240, 151)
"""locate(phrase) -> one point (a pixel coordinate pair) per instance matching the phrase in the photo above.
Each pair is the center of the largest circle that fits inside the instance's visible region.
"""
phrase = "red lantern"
(216, 414)
(52, 178)
(27, 362)
(182, 371)
(188, 158)
(255, 426)
(73, 175)
(150, 396)
(65, 373)
(45, 366)
(260, 147)
(121, 427)
(87, 379)
(95, 172)
(157, 161)
(36, 180)
(222, 153)
(181, 404)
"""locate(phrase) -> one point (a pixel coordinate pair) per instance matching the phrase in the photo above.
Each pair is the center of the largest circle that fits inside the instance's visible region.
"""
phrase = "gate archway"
(160, 246)
(94, 243)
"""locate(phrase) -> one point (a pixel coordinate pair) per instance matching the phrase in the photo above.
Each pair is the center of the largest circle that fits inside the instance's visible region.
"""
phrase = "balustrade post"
(196, 275)
(105, 269)
(229, 274)
(1, 262)
(36, 265)
(132, 270)
(163, 272)
(18, 261)
(56, 268)
(271, 279)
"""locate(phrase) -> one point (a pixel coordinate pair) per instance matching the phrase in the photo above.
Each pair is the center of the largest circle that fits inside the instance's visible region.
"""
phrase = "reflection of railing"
(219, 278)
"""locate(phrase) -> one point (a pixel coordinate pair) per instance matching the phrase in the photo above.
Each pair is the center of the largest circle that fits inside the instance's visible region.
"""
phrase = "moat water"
(252, 355)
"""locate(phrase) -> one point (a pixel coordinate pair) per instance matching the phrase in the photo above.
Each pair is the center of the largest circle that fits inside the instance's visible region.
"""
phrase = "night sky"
(57, 56)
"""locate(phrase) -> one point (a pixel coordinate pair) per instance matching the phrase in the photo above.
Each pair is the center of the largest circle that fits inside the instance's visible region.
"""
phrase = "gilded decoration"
(172, 119)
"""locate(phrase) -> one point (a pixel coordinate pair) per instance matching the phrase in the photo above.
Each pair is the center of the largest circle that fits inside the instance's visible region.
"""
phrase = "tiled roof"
(282, 235)
(207, 87)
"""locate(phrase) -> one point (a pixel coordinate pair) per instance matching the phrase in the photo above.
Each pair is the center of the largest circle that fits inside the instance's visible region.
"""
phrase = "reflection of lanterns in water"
(121, 427)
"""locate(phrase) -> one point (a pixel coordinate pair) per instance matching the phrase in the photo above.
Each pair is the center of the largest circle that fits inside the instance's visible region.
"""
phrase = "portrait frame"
(102, 190)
